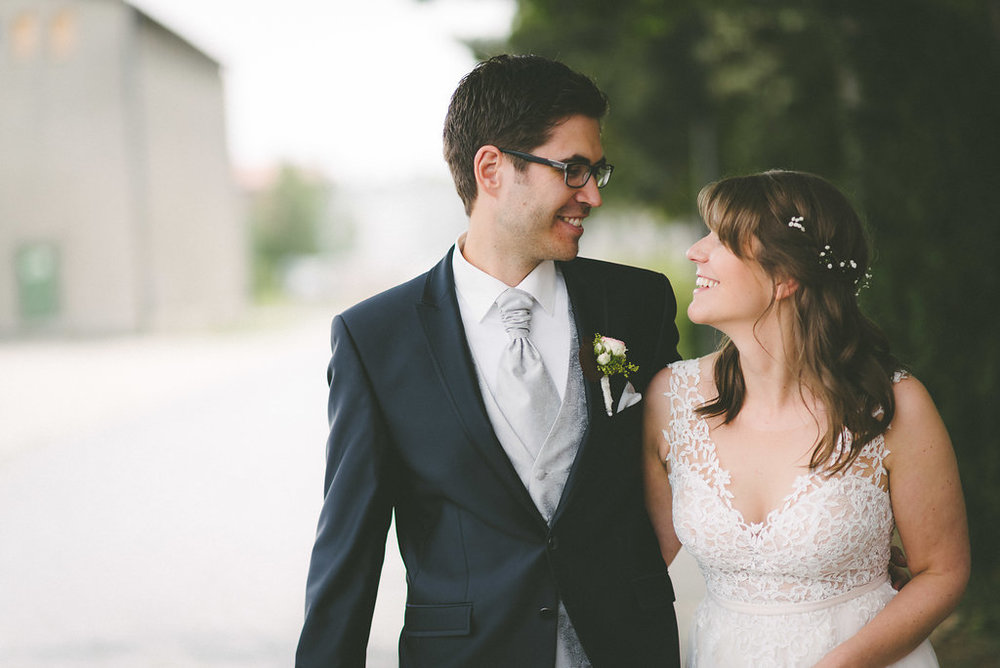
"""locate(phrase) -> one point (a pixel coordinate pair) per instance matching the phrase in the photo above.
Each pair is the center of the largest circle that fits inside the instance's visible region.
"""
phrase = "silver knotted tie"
(525, 391)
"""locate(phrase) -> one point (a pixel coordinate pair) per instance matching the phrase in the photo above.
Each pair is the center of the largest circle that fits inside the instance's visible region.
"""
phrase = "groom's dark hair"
(512, 102)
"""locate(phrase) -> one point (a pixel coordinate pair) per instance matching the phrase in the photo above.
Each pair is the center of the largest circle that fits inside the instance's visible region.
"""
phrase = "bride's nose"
(697, 251)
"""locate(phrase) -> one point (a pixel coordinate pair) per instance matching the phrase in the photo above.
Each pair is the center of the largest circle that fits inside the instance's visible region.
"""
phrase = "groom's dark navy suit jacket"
(485, 573)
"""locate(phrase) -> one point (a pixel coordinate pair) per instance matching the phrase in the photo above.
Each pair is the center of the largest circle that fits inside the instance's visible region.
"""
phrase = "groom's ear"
(487, 167)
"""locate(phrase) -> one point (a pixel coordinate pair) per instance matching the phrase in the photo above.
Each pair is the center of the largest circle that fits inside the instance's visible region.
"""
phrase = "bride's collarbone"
(779, 437)
(768, 447)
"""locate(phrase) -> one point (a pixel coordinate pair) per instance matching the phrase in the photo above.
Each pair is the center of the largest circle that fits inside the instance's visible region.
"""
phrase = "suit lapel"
(442, 324)
(590, 315)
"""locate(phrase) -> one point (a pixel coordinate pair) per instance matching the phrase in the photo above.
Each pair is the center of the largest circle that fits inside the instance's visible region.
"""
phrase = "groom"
(463, 406)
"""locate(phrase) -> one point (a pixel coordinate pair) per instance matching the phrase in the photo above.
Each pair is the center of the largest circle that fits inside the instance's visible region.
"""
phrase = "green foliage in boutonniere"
(610, 356)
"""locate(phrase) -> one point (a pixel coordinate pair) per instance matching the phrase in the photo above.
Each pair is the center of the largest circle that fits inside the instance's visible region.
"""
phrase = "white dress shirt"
(544, 475)
(477, 293)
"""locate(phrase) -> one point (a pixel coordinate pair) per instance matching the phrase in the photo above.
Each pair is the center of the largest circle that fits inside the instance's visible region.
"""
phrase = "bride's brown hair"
(797, 225)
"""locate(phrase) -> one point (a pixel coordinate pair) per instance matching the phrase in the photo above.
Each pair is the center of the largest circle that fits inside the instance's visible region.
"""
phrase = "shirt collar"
(479, 290)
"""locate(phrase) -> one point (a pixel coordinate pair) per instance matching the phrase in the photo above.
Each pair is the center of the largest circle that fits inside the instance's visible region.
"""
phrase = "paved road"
(158, 499)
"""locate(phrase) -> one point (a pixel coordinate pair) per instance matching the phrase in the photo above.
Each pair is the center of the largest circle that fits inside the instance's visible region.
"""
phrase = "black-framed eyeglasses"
(575, 173)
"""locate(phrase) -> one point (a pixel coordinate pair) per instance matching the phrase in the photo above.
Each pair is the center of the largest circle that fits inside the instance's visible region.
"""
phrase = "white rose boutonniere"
(611, 360)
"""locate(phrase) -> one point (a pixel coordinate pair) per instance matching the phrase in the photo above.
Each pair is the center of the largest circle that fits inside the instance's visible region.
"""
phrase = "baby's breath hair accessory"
(829, 260)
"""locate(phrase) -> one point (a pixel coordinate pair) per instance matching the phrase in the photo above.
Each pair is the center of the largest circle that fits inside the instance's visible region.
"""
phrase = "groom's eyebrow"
(576, 157)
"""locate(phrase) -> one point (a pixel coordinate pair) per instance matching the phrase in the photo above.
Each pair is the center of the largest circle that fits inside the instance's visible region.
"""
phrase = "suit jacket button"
(547, 613)
(553, 543)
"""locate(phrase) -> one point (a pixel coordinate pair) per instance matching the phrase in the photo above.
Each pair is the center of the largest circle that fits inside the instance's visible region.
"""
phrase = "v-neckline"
(723, 477)
(723, 482)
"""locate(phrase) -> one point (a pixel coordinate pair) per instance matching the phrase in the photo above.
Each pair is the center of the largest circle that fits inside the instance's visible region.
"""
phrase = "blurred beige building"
(118, 209)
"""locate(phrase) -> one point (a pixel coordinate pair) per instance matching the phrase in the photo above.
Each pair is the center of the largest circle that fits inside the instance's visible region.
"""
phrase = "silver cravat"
(525, 391)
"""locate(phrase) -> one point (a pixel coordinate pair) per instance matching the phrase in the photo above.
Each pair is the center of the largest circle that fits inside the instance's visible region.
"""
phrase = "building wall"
(113, 162)
(64, 163)
(197, 246)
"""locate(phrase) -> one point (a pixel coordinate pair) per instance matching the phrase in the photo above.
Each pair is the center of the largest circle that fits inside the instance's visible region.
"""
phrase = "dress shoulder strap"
(684, 374)
(682, 391)
(684, 396)
(877, 448)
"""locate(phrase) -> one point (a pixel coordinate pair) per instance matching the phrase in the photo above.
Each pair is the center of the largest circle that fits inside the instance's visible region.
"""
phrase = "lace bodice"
(829, 535)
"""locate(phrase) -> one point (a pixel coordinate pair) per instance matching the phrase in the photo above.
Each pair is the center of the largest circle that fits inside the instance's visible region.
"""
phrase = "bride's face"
(729, 290)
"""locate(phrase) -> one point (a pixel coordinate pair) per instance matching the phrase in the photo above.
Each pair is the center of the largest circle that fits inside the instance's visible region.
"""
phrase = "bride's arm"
(930, 514)
(654, 452)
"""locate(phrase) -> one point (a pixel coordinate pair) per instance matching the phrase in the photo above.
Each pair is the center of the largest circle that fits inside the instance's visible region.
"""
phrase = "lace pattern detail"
(830, 535)
(733, 639)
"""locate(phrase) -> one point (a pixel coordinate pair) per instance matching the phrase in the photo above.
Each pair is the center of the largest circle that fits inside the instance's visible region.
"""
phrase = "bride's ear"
(784, 288)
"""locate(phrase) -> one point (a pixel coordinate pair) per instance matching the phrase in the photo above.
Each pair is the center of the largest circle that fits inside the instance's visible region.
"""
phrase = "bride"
(784, 461)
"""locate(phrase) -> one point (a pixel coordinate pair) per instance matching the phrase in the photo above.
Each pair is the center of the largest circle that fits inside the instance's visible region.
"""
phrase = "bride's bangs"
(733, 220)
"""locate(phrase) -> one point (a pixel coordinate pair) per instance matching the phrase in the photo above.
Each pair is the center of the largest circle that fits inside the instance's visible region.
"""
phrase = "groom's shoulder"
(387, 305)
(615, 272)
(395, 309)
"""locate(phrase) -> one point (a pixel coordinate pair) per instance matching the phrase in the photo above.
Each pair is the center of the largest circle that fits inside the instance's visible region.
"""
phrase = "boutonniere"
(606, 358)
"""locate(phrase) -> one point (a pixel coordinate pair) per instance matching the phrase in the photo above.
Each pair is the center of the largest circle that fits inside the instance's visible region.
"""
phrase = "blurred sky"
(356, 88)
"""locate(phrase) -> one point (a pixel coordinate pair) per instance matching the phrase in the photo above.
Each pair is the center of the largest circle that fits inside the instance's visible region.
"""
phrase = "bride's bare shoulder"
(701, 367)
(706, 366)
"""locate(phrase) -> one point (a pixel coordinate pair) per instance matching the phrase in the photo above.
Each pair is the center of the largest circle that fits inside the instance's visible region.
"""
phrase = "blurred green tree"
(286, 222)
(897, 103)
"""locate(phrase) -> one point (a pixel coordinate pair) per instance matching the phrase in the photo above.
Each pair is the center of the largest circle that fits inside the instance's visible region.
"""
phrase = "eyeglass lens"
(578, 173)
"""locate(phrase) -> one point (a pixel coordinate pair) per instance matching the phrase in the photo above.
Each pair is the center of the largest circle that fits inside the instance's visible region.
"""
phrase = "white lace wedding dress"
(785, 591)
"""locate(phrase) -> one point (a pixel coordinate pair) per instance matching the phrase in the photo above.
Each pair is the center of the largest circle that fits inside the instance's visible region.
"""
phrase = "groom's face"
(541, 217)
